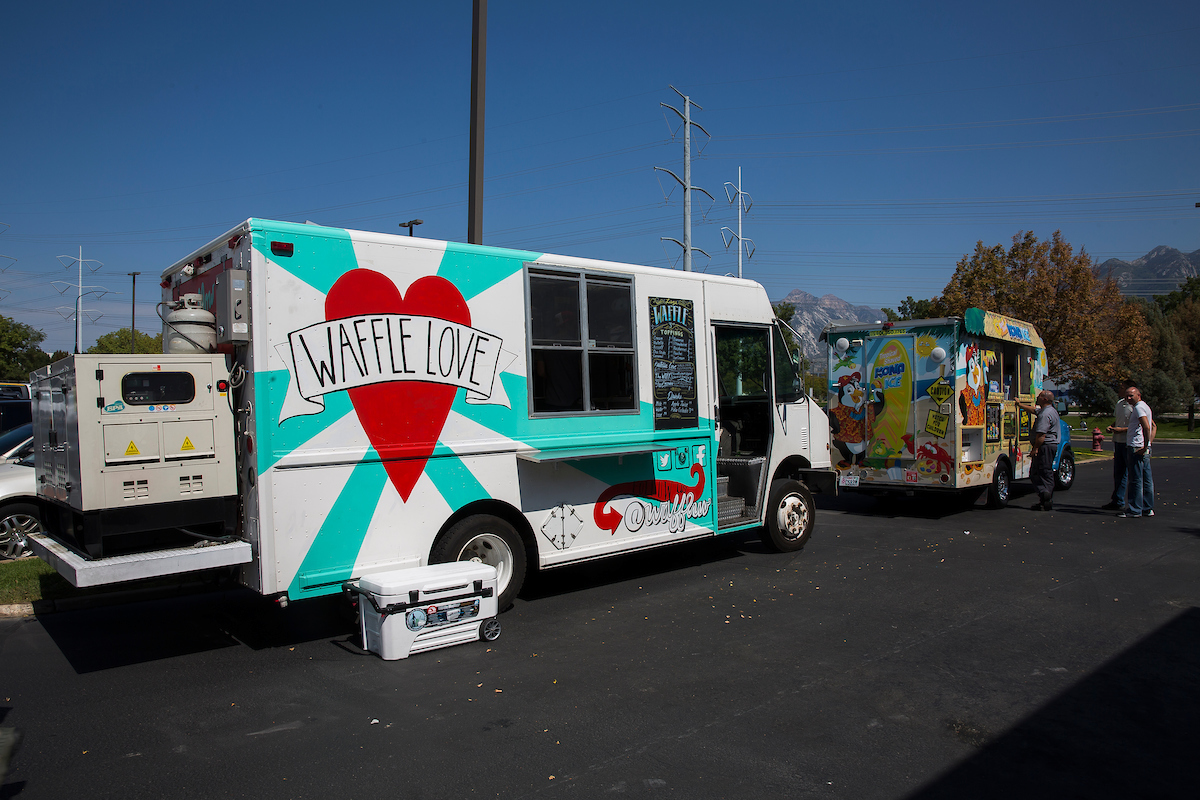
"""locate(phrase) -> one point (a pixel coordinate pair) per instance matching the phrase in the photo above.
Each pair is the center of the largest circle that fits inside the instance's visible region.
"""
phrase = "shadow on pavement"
(1130, 729)
(97, 639)
(632, 566)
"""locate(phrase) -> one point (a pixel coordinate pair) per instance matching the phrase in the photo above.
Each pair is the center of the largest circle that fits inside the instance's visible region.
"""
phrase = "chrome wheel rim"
(14, 532)
(792, 516)
(1002, 484)
(1066, 470)
(488, 548)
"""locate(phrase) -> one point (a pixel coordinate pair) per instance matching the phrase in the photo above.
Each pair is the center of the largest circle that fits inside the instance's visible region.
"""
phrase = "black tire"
(1001, 488)
(490, 629)
(489, 540)
(790, 517)
(1064, 476)
(17, 521)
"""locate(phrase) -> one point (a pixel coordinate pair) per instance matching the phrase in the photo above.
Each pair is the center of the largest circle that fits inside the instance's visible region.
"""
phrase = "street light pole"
(412, 223)
(133, 315)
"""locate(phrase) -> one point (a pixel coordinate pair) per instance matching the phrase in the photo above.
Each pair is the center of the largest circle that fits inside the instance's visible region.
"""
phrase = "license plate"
(848, 480)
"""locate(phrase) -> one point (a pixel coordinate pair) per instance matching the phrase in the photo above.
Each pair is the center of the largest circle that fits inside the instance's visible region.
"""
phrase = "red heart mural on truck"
(403, 419)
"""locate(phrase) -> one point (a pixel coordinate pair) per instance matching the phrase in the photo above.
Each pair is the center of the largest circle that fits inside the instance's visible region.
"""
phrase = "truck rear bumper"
(82, 572)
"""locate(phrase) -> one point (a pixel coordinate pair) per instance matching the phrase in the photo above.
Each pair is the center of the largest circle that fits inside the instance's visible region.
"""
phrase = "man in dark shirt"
(1043, 446)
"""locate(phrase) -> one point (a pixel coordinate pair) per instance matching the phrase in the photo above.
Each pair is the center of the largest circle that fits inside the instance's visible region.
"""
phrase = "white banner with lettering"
(342, 354)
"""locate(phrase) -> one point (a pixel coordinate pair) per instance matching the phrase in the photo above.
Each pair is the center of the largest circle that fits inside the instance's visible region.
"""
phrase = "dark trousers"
(1120, 473)
(1041, 471)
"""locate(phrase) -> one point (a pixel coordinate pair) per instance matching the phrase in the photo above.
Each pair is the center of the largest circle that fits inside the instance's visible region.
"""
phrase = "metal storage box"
(409, 611)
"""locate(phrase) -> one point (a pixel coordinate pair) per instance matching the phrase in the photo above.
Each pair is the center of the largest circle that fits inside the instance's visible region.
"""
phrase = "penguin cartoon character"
(972, 400)
(854, 413)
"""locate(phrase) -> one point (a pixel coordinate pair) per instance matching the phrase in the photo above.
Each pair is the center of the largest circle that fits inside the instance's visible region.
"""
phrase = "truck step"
(83, 572)
(722, 486)
(730, 508)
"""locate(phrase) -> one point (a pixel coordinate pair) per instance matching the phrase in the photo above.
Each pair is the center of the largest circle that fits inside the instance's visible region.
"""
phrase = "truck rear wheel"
(1001, 486)
(487, 540)
(790, 516)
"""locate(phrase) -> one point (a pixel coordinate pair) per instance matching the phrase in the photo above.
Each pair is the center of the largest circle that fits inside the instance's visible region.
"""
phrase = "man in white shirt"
(1120, 467)
(1139, 486)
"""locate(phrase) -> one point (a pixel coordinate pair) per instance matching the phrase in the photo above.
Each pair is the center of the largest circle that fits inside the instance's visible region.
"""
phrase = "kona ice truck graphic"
(931, 404)
(359, 402)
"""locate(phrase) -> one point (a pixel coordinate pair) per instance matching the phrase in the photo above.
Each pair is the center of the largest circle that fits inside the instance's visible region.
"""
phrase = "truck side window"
(1025, 369)
(581, 343)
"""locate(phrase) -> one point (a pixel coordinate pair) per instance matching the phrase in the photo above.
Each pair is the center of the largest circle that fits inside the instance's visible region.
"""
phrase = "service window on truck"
(581, 343)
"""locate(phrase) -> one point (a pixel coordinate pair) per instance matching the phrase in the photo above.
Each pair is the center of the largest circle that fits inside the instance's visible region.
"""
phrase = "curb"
(16, 610)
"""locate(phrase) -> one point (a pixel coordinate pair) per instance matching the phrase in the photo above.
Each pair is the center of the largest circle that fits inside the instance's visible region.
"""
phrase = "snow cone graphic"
(891, 377)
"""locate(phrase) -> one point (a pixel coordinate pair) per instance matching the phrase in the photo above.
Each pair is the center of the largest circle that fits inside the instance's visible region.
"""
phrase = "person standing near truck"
(1042, 448)
(1139, 486)
(1118, 429)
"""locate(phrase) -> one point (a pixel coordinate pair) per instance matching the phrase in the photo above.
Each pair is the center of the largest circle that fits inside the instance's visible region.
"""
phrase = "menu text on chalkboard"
(673, 355)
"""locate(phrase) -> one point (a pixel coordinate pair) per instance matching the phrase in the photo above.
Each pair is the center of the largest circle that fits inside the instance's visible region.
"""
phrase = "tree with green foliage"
(118, 342)
(1164, 383)
(912, 309)
(20, 351)
(1089, 329)
(1188, 290)
(1182, 309)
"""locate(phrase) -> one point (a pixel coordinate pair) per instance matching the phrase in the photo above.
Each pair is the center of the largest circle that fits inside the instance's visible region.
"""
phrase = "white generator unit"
(135, 454)
(408, 611)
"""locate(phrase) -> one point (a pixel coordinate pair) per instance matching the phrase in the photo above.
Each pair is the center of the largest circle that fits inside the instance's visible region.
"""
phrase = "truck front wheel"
(488, 540)
(790, 516)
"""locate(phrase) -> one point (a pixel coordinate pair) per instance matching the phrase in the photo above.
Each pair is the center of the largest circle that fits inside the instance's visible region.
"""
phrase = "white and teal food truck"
(335, 403)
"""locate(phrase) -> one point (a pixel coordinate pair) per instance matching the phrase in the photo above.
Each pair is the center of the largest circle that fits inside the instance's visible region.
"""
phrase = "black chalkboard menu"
(673, 354)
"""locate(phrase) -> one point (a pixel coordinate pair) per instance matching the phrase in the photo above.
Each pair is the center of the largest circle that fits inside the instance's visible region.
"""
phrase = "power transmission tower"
(5, 261)
(686, 182)
(94, 291)
(744, 204)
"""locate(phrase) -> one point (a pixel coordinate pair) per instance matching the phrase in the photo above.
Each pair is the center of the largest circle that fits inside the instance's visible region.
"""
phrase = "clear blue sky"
(879, 141)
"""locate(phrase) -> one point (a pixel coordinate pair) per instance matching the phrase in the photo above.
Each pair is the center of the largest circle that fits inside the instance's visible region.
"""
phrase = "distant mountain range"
(814, 313)
(1158, 272)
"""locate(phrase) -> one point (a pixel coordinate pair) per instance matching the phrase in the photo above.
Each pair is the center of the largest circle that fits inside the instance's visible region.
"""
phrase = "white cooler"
(408, 611)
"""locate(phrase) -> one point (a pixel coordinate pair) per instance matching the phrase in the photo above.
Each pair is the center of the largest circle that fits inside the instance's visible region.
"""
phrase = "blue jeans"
(1138, 500)
(1147, 486)
(1120, 473)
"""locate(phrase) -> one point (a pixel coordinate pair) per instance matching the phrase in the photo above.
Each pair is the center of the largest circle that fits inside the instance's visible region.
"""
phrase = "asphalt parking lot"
(915, 649)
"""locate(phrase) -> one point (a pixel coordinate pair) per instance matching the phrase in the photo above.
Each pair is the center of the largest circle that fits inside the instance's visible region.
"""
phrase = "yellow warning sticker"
(187, 444)
(132, 450)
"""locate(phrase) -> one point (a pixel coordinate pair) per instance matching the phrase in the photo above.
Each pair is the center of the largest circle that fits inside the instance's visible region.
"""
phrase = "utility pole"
(478, 75)
(744, 204)
(133, 315)
(97, 291)
(686, 183)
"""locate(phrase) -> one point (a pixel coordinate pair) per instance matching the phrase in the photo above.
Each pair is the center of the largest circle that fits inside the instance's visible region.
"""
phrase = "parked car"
(17, 443)
(14, 413)
(14, 391)
(18, 508)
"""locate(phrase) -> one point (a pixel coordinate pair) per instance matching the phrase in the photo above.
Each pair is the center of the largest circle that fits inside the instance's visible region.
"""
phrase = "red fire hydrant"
(1097, 439)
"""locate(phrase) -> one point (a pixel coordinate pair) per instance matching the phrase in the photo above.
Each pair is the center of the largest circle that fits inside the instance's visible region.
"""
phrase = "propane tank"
(189, 328)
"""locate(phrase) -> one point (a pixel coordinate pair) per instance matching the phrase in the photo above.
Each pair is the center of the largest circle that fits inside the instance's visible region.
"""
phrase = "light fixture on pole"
(412, 223)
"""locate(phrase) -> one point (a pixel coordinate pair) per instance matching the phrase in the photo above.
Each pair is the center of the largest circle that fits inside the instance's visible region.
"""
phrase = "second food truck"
(932, 404)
